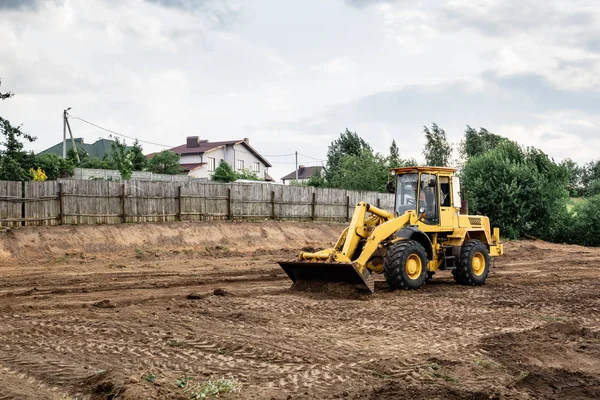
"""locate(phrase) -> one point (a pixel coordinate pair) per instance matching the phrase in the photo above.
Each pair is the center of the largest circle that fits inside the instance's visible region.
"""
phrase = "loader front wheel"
(474, 265)
(405, 265)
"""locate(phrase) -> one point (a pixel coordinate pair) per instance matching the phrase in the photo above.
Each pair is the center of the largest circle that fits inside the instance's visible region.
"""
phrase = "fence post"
(178, 203)
(123, 202)
(273, 216)
(378, 202)
(348, 208)
(314, 202)
(23, 204)
(229, 208)
(61, 210)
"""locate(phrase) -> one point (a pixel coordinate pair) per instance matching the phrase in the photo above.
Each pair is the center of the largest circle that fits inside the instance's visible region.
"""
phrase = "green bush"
(521, 190)
(583, 225)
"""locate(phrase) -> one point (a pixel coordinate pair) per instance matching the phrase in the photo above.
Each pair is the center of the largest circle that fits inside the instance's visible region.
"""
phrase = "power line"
(278, 155)
(313, 158)
(117, 133)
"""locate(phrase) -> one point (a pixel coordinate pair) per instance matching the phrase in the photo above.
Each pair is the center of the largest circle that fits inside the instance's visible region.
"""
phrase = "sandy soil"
(91, 312)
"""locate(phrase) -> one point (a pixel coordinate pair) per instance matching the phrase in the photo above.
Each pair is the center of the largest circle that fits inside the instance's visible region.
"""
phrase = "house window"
(211, 164)
(256, 167)
(239, 165)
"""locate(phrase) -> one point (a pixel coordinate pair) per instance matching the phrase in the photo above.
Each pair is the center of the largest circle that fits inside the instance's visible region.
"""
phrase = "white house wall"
(190, 159)
(243, 153)
(217, 154)
(201, 172)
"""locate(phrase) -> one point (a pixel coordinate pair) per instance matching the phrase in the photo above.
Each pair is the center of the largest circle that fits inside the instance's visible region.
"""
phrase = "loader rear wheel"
(405, 265)
(474, 265)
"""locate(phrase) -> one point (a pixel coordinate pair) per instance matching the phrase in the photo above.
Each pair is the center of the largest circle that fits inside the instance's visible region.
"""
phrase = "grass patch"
(213, 388)
(444, 376)
(150, 377)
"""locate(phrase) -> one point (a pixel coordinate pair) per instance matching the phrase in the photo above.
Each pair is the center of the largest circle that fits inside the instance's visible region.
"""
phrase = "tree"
(73, 153)
(366, 171)
(165, 162)
(476, 142)
(224, 173)
(54, 166)
(120, 157)
(7, 95)
(521, 190)
(348, 144)
(574, 175)
(139, 162)
(394, 160)
(15, 162)
(97, 163)
(317, 179)
(590, 173)
(437, 150)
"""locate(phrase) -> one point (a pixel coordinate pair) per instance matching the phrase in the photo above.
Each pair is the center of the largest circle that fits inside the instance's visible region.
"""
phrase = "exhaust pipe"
(464, 207)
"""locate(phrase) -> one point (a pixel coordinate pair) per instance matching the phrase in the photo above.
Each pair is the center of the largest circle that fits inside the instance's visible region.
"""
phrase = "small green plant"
(150, 377)
(183, 382)
(444, 376)
(213, 388)
(139, 251)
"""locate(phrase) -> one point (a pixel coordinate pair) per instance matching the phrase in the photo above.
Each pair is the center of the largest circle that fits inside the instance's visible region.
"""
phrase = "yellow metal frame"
(376, 231)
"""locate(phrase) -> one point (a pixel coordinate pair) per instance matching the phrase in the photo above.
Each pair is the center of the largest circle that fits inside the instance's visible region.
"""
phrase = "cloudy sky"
(291, 75)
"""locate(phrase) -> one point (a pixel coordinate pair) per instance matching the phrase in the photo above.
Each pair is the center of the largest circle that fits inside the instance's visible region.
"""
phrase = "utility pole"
(65, 134)
(296, 166)
(68, 126)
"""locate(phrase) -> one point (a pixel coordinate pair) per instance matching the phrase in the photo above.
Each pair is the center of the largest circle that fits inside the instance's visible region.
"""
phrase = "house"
(98, 149)
(304, 174)
(199, 157)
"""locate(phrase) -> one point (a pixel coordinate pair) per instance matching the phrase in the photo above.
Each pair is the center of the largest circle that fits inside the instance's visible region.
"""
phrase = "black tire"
(398, 258)
(470, 272)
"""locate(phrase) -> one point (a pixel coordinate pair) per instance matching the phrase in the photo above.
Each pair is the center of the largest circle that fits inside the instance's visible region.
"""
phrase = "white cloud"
(293, 75)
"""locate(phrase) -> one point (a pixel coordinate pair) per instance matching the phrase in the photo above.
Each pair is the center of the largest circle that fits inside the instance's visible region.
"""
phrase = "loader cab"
(428, 191)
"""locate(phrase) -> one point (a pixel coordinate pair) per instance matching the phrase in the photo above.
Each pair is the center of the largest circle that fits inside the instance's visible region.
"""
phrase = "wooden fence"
(77, 202)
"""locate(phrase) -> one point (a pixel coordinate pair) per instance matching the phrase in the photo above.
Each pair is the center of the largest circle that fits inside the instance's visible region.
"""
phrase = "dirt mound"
(399, 391)
(553, 384)
(214, 238)
(337, 290)
(557, 360)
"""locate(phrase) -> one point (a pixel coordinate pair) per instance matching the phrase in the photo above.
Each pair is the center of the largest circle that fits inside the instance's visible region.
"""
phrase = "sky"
(292, 75)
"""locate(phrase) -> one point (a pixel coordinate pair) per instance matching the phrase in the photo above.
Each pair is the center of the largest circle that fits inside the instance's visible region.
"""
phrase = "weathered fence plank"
(112, 202)
(11, 206)
(42, 205)
(92, 202)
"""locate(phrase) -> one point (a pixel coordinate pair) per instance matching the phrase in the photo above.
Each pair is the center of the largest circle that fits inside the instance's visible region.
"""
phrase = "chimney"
(247, 140)
(192, 141)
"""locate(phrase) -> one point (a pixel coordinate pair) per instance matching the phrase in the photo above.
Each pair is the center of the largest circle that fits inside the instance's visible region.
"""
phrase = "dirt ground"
(101, 312)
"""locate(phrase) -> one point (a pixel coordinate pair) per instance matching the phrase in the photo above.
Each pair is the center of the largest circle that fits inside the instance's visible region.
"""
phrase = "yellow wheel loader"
(426, 232)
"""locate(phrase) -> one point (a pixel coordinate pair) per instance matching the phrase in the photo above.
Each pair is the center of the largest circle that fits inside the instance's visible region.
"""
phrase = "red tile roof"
(190, 167)
(204, 147)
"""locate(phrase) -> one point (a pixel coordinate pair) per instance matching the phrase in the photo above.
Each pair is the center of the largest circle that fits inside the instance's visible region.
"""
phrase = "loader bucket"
(328, 272)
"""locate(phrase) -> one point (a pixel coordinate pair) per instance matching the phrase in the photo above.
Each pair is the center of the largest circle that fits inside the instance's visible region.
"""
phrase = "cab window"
(445, 191)
(428, 203)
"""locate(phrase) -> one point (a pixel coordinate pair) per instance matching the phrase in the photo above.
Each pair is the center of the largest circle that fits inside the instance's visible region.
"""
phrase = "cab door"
(448, 214)
(428, 206)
